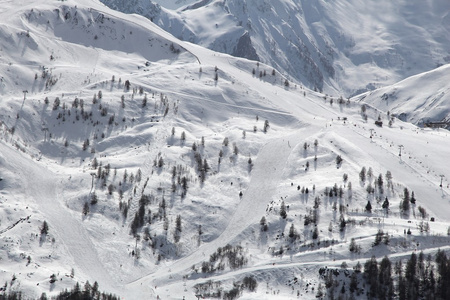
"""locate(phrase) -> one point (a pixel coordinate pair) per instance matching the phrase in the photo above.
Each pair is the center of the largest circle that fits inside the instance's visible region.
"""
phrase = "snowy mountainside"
(337, 47)
(175, 4)
(419, 99)
(163, 168)
(90, 31)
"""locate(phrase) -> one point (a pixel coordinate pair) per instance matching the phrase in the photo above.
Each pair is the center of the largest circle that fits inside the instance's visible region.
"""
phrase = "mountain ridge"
(321, 44)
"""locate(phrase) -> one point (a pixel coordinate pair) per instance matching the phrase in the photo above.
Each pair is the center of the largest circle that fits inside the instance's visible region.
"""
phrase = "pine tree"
(292, 233)
(235, 149)
(413, 199)
(94, 290)
(353, 282)
(178, 223)
(315, 234)
(388, 175)
(160, 162)
(85, 144)
(85, 208)
(56, 103)
(225, 142)
(412, 282)
(345, 177)
(138, 175)
(44, 228)
(266, 125)
(342, 223)
(94, 198)
(405, 204)
(283, 213)
(125, 176)
(378, 237)
(94, 163)
(371, 273)
(380, 180)
(386, 290)
(362, 174)
(385, 204)
(263, 224)
(353, 247)
(86, 294)
(111, 188)
(205, 167)
(178, 229)
(369, 207)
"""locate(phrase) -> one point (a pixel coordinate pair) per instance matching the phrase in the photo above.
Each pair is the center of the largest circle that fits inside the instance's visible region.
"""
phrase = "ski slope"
(46, 174)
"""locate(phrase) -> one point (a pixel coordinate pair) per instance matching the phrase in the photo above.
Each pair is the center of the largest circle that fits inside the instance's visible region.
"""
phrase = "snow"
(337, 47)
(413, 104)
(174, 4)
(44, 179)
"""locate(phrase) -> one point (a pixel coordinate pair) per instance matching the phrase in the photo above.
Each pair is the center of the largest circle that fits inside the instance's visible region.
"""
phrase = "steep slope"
(174, 4)
(43, 44)
(147, 156)
(420, 99)
(336, 47)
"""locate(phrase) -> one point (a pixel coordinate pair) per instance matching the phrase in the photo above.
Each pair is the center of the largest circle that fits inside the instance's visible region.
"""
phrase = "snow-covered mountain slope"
(419, 99)
(340, 47)
(174, 4)
(144, 187)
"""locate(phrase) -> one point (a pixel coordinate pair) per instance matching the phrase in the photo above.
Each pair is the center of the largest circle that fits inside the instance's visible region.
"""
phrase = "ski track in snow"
(403, 169)
(44, 181)
(46, 189)
(265, 178)
(266, 174)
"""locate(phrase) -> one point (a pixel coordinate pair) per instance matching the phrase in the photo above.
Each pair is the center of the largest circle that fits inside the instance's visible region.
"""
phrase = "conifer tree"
(362, 174)
(177, 233)
(263, 224)
(94, 198)
(85, 208)
(266, 125)
(44, 228)
(292, 232)
(283, 213)
(369, 206)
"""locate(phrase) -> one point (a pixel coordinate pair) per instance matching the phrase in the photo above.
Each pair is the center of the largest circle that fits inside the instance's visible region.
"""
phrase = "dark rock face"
(244, 48)
(148, 9)
(197, 5)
